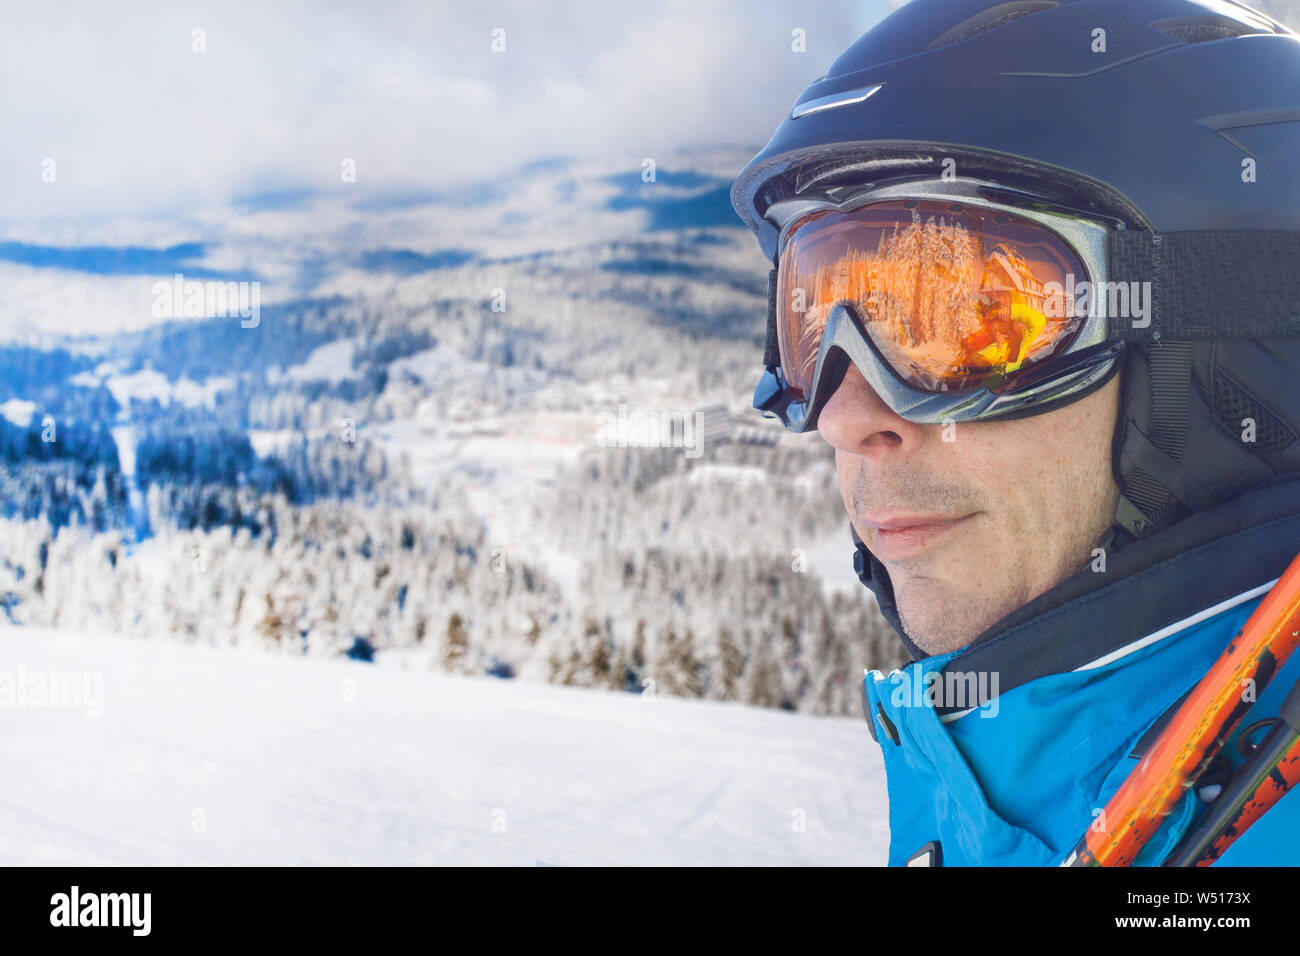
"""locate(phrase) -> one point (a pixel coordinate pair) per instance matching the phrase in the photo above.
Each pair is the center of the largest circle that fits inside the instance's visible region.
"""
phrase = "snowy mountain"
(504, 427)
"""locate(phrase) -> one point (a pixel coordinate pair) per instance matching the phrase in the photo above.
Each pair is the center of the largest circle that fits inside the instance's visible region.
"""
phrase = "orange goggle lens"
(951, 299)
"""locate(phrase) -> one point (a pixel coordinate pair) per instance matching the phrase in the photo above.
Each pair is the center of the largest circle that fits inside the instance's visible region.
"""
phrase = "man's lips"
(902, 536)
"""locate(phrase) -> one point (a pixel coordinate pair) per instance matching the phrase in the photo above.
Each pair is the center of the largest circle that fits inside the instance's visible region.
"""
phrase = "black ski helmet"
(1180, 118)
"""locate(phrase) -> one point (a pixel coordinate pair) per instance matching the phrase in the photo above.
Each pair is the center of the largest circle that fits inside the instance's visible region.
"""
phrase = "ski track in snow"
(416, 769)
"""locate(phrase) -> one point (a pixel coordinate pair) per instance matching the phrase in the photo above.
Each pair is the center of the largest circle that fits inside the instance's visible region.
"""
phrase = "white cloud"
(135, 121)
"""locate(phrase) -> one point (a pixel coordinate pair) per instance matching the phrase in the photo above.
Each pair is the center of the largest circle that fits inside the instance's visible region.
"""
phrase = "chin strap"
(1156, 490)
(875, 579)
(861, 559)
(1129, 525)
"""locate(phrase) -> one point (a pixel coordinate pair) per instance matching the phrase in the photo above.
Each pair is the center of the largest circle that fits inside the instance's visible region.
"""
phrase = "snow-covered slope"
(219, 757)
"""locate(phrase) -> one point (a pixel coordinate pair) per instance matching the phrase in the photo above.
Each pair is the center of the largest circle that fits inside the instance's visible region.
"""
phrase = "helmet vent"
(1233, 404)
(1203, 29)
(990, 19)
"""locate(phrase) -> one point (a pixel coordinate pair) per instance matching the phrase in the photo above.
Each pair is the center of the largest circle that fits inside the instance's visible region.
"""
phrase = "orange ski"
(1197, 731)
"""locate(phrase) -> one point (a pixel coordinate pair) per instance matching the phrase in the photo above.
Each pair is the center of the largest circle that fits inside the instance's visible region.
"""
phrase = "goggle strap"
(772, 347)
(1208, 285)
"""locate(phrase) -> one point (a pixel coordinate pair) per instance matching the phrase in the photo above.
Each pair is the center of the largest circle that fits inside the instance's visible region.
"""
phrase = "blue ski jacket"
(1004, 752)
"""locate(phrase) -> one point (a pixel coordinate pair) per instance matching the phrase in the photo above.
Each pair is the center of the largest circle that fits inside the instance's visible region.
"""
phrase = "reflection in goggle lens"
(951, 298)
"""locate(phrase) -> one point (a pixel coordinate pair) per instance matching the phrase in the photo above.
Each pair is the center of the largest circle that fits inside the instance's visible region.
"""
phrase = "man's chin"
(938, 618)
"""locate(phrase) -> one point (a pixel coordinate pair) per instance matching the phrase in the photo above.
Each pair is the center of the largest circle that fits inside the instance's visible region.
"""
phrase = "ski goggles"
(954, 307)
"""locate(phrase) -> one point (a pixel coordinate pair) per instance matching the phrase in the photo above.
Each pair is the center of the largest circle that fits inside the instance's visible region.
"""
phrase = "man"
(1034, 279)
(1023, 501)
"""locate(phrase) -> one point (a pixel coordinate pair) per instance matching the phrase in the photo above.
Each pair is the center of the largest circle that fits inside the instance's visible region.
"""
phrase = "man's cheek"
(845, 475)
(971, 558)
(847, 481)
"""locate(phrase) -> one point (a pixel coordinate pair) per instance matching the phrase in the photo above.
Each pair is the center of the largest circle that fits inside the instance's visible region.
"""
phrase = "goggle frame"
(1084, 364)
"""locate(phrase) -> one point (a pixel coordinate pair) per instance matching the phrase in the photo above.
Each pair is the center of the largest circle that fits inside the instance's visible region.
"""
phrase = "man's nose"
(856, 420)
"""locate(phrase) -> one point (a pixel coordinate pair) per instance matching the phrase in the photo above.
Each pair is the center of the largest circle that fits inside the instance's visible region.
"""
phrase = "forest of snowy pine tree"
(408, 461)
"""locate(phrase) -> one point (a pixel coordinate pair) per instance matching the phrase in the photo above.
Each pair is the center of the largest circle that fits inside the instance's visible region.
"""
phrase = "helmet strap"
(1128, 525)
(1156, 488)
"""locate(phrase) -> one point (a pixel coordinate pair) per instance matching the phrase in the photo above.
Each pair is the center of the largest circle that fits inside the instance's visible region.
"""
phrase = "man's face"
(972, 527)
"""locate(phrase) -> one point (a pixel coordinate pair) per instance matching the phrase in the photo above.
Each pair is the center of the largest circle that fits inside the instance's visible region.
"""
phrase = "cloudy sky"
(136, 120)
